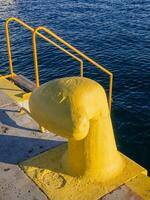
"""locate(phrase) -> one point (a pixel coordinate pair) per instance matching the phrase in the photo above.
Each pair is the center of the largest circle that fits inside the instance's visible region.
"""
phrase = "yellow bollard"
(77, 109)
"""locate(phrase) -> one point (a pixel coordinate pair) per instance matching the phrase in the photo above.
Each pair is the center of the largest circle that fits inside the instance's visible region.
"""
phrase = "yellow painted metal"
(11, 90)
(46, 171)
(26, 96)
(56, 45)
(78, 52)
(7, 76)
(35, 60)
(77, 108)
(53, 43)
(8, 39)
(16, 93)
(140, 185)
(90, 165)
(9, 83)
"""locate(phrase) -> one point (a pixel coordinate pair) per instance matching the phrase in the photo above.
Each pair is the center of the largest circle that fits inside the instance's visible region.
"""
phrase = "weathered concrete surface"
(20, 139)
(14, 184)
(122, 193)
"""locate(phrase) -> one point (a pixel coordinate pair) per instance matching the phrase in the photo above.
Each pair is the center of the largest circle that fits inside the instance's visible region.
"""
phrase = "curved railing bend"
(39, 34)
(36, 32)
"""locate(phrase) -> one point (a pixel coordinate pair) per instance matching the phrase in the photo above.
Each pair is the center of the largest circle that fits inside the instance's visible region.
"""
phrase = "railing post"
(83, 56)
(35, 32)
(8, 40)
(110, 91)
(9, 48)
(81, 69)
(35, 58)
(56, 45)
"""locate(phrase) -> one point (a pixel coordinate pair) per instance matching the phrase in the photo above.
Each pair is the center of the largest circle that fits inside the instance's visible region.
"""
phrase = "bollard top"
(65, 106)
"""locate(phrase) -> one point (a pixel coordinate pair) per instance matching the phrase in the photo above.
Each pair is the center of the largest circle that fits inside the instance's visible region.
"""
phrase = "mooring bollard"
(89, 166)
(77, 109)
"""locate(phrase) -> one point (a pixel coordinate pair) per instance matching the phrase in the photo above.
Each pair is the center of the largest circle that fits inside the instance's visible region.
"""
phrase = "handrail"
(8, 39)
(39, 34)
(35, 32)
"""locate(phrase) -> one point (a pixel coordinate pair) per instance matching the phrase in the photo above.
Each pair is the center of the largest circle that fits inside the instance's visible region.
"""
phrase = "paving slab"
(20, 139)
(122, 193)
(15, 185)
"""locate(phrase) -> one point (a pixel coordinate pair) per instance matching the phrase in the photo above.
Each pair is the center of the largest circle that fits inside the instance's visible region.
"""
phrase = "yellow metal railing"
(39, 34)
(36, 32)
(8, 39)
(73, 49)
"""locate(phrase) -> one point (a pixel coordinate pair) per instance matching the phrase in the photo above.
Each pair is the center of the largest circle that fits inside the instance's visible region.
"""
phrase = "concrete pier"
(21, 139)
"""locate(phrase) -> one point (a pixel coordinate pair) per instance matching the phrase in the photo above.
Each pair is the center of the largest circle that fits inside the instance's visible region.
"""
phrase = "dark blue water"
(115, 33)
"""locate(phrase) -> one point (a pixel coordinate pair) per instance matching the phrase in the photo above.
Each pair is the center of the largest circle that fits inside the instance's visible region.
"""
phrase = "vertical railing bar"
(39, 34)
(35, 59)
(9, 49)
(63, 42)
(8, 40)
(85, 57)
